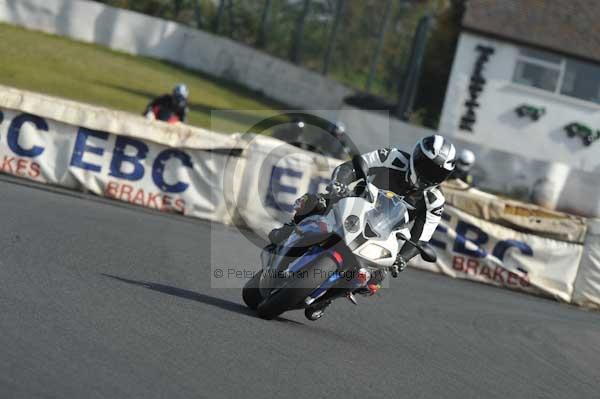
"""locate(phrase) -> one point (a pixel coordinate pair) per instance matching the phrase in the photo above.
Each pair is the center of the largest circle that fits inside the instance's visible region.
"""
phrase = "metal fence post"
(177, 7)
(410, 83)
(217, 20)
(261, 41)
(381, 40)
(198, 13)
(296, 49)
(339, 12)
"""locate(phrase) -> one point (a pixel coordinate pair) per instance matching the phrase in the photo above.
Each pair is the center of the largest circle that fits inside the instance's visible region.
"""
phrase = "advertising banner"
(129, 169)
(475, 249)
(276, 174)
(587, 284)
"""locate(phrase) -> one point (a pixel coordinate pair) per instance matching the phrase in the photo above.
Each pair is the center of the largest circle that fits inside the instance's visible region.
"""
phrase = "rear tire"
(251, 293)
(297, 289)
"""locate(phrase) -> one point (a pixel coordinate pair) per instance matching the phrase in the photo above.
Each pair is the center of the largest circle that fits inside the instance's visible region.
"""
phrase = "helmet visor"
(428, 171)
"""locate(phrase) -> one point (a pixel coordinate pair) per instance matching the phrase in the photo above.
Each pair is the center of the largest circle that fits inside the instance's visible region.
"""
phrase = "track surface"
(99, 300)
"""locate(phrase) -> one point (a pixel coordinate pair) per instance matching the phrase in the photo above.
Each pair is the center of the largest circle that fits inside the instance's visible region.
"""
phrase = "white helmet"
(465, 161)
(181, 91)
(432, 161)
(338, 129)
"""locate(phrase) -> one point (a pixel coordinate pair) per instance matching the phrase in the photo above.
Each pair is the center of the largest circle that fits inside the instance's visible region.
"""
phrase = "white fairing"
(360, 207)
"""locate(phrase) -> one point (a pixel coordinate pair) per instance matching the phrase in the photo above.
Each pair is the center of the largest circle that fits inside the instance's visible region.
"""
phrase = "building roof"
(564, 26)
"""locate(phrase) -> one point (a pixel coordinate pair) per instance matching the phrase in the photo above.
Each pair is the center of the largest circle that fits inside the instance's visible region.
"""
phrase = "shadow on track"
(195, 296)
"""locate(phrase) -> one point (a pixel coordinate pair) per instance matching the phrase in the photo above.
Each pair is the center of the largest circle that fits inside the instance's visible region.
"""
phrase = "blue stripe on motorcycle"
(305, 259)
(325, 286)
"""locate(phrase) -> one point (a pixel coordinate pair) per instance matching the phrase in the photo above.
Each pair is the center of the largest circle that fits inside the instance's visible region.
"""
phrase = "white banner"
(275, 176)
(587, 285)
(475, 249)
(129, 169)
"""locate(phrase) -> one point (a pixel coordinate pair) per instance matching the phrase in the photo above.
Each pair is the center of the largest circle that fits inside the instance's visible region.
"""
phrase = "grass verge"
(97, 75)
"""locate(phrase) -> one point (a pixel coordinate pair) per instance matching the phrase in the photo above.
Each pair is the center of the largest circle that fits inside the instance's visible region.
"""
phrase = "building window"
(582, 80)
(558, 74)
(538, 69)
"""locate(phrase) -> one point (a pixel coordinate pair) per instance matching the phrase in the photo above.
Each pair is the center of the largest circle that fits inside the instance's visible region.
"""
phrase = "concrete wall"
(498, 125)
(139, 34)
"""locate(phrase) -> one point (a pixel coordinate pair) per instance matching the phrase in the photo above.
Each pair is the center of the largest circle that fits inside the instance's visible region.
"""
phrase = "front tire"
(251, 293)
(297, 289)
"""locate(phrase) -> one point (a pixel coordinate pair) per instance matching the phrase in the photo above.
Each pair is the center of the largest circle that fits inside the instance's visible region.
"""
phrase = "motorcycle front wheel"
(251, 293)
(298, 288)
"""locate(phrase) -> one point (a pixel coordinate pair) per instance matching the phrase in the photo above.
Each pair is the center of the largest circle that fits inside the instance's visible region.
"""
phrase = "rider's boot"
(369, 290)
(316, 311)
(373, 284)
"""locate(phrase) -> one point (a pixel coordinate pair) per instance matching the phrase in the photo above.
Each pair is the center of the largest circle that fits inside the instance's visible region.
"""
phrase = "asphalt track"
(99, 300)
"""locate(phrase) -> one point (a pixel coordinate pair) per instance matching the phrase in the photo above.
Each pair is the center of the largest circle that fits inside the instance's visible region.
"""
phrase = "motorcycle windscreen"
(389, 214)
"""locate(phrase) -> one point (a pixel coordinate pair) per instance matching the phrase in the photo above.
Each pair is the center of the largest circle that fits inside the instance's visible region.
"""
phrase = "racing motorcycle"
(332, 255)
(165, 115)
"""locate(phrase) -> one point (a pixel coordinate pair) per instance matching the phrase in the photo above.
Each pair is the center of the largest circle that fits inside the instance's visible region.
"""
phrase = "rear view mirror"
(360, 167)
(361, 170)
(428, 253)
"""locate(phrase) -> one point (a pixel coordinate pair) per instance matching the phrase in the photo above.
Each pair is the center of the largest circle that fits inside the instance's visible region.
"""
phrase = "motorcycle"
(332, 255)
(156, 113)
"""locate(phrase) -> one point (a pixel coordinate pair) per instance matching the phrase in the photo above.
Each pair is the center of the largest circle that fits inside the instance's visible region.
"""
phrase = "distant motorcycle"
(157, 113)
(332, 255)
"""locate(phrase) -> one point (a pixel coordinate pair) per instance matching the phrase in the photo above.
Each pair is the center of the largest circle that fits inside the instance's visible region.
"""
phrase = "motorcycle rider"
(171, 108)
(414, 176)
(464, 164)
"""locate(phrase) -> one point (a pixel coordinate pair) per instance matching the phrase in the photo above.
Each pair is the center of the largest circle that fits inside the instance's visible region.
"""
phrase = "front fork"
(342, 284)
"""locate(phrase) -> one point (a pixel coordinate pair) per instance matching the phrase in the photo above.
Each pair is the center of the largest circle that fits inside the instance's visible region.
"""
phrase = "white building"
(524, 71)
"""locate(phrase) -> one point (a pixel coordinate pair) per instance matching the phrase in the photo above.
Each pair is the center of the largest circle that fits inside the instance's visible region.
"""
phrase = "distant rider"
(464, 164)
(415, 176)
(171, 108)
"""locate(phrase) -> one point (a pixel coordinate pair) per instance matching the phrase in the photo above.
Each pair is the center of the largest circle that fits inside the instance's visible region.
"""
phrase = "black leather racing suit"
(390, 169)
(166, 108)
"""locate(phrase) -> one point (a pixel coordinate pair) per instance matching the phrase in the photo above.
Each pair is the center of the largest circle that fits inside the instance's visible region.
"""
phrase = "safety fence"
(253, 180)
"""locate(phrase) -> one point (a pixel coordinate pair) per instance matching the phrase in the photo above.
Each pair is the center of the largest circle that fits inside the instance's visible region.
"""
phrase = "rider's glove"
(337, 189)
(399, 266)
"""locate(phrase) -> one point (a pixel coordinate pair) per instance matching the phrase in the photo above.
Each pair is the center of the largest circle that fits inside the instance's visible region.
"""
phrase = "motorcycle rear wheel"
(297, 289)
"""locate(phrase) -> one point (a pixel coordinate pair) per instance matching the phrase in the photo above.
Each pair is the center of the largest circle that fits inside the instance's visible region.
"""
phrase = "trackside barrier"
(475, 249)
(507, 243)
(254, 180)
(277, 174)
(587, 284)
(113, 154)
